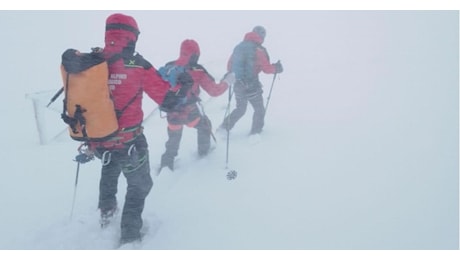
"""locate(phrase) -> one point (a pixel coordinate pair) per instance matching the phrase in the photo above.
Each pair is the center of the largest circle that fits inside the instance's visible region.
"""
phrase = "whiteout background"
(360, 148)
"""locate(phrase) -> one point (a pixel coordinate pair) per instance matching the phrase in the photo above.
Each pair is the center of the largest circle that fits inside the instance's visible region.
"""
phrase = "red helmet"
(189, 52)
(120, 31)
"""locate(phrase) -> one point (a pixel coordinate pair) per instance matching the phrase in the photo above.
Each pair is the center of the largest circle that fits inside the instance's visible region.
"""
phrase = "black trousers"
(245, 94)
(203, 128)
(134, 163)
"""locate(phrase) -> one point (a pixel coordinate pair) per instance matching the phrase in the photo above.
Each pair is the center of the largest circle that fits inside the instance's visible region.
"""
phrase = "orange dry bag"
(88, 107)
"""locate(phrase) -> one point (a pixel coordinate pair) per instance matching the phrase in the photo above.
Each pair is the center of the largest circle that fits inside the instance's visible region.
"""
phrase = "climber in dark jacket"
(248, 59)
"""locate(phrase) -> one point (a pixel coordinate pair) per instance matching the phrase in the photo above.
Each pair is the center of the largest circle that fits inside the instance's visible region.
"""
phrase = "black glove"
(278, 67)
(97, 50)
(84, 157)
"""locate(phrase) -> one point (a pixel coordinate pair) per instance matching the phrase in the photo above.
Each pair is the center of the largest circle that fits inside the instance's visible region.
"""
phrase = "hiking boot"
(167, 161)
(255, 131)
(130, 243)
(107, 216)
(126, 240)
(202, 153)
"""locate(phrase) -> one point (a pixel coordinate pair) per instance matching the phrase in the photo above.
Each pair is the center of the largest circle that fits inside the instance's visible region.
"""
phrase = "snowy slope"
(360, 148)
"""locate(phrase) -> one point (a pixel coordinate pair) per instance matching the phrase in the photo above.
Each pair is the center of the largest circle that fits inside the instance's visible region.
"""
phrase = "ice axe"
(55, 96)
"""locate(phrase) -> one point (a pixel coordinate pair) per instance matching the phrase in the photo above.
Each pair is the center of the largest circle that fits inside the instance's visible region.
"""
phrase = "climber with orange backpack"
(110, 120)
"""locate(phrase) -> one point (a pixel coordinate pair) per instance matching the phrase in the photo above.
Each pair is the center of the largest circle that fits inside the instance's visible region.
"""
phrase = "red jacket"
(262, 59)
(129, 76)
(128, 79)
(189, 54)
(201, 78)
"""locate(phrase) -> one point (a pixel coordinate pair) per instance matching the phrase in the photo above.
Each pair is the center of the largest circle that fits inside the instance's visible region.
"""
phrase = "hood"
(121, 31)
(189, 53)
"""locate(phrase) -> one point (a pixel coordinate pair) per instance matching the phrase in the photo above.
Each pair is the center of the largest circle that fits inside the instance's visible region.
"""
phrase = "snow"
(359, 151)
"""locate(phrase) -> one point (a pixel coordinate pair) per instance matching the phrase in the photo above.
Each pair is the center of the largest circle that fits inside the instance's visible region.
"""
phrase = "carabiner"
(106, 158)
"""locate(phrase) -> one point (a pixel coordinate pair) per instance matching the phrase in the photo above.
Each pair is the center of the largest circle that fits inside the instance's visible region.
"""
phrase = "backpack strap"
(111, 60)
(114, 58)
(120, 112)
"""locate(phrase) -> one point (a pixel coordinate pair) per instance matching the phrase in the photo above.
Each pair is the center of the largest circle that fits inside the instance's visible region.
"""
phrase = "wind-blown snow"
(360, 148)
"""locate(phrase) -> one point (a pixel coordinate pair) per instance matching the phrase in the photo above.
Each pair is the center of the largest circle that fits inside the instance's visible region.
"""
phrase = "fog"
(359, 151)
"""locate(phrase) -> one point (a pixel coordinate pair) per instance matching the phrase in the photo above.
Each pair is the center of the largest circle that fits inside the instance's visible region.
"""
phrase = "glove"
(229, 78)
(97, 49)
(83, 158)
(84, 155)
(278, 67)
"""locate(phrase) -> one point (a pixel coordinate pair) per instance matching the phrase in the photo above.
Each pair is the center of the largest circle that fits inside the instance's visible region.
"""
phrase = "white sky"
(409, 112)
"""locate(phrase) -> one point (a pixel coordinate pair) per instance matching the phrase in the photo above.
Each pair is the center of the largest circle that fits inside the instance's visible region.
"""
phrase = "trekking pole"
(232, 174)
(227, 113)
(84, 156)
(270, 93)
(75, 190)
(55, 96)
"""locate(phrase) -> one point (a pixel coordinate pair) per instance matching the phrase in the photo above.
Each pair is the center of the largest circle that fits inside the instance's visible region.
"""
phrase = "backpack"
(180, 81)
(243, 61)
(88, 108)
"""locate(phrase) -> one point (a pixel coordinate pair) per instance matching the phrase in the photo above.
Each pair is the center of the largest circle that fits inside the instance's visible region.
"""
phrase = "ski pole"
(227, 110)
(55, 96)
(75, 190)
(231, 175)
(270, 93)
(228, 144)
(227, 113)
(84, 156)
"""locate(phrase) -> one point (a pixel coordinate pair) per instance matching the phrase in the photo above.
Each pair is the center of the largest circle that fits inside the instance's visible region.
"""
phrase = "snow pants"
(245, 94)
(203, 127)
(133, 161)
